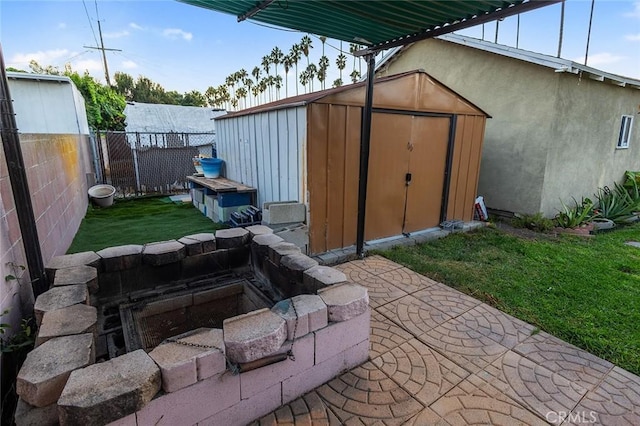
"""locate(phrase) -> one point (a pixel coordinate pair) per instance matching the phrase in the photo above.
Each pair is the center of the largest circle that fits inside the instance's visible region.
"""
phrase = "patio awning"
(377, 24)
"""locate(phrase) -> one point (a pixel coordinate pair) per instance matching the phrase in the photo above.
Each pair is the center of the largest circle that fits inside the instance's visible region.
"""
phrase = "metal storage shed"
(426, 142)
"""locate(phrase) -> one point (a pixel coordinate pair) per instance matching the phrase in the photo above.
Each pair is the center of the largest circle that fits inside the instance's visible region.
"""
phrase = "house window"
(625, 131)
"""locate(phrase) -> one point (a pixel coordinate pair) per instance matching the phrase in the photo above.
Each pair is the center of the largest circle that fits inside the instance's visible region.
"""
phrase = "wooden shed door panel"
(388, 166)
(427, 161)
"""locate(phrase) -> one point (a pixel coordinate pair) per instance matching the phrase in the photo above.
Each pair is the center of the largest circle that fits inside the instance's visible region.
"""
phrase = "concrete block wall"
(56, 167)
(333, 336)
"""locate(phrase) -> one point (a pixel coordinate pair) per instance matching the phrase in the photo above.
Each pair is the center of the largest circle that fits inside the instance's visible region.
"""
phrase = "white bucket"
(102, 195)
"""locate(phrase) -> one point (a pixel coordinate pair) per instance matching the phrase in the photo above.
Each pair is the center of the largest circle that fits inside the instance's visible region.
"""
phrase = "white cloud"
(129, 65)
(135, 26)
(62, 25)
(174, 33)
(44, 58)
(636, 11)
(599, 59)
(632, 37)
(117, 34)
(87, 65)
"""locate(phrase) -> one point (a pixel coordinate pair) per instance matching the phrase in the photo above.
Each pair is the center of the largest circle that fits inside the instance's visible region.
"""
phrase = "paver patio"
(439, 357)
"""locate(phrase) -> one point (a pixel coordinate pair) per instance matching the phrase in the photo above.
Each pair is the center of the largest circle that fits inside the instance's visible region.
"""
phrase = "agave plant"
(617, 204)
(579, 214)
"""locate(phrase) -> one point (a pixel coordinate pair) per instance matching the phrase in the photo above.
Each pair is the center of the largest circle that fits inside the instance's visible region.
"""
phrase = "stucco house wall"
(552, 135)
(54, 138)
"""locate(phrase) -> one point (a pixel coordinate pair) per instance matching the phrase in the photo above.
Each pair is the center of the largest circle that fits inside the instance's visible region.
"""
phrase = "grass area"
(584, 291)
(138, 221)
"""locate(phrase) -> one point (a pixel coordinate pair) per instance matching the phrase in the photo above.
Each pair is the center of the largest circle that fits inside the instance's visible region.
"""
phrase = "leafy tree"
(12, 69)
(104, 106)
(194, 98)
(125, 85)
(337, 82)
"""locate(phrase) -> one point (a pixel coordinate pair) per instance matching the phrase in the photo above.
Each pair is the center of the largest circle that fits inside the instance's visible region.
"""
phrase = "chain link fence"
(139, 164)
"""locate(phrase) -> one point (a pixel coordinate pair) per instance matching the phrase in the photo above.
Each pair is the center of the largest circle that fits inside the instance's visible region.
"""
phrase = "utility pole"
(104, 55)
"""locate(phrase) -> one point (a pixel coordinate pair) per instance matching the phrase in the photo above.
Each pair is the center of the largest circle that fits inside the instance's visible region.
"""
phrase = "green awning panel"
(375, 23)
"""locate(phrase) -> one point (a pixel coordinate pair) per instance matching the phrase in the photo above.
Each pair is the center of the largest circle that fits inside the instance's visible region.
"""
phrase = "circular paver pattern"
(421, 371)
(385, 335)
(615, 401)
(380, 291)
(497, 325)
(376, 264)
(407, 280)
(307, 410)
(413, 315)
(446, 299)
(476, 402)
(463, 345)
(564, 359)
(368, 395)
(532, 385)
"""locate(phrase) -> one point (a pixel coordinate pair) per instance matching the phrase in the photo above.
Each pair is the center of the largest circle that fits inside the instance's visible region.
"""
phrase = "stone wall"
(255, 363)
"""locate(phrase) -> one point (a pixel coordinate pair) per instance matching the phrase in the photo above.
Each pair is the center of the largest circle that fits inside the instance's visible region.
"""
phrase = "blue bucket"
(211, 167)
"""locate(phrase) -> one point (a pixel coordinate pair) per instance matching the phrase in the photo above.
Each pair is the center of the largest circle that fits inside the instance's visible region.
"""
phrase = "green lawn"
(138, 221)
(585, 291)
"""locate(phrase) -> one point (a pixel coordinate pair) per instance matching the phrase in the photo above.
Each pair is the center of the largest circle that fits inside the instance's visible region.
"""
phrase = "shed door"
(406, 173)
(427, 162)
(388, 166)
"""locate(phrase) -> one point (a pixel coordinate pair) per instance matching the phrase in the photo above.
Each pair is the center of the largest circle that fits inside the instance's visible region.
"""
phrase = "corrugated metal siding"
(266, 151)
(465, 167)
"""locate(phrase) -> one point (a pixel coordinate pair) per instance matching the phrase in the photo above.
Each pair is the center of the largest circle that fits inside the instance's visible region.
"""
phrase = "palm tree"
(341, 63)
(323, 65)
(277, 82)
(287, 63)
(295, 54)
(304, 79)
(223, 96)
(337, 82)
(312, 71)
(305, 46)
(212, 96)
(355, 76)
(256, 92)
(353, 47)
(231, 81)
(256, 73)
(248, 84)
(276, 57)
(242, 95)
(266, 64)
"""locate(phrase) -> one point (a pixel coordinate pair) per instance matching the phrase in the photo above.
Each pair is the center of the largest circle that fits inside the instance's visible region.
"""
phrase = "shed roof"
(557, 64)
(161, 118)
(355, 94)
(38, 77)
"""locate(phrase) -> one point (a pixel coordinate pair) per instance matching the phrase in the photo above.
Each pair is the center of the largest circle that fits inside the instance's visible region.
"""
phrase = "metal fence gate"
(138, 164)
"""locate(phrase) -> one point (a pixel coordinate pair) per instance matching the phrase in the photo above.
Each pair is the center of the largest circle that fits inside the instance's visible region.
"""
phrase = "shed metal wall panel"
(265, 151)
(48, 107)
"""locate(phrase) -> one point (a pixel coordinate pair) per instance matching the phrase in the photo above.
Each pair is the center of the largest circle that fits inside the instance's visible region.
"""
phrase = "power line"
(101, 46)
(90, 24)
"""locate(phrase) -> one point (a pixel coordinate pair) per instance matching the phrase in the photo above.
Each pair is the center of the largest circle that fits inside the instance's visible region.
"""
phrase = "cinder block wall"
(54, 138)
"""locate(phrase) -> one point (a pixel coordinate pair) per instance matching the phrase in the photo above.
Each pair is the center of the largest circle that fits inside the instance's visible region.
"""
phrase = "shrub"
(536, 222)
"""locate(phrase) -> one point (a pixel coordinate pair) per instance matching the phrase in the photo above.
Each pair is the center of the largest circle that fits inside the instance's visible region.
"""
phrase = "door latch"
(407, 178)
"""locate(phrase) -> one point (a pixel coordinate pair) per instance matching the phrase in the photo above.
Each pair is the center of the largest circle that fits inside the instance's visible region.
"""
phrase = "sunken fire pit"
(229, 326)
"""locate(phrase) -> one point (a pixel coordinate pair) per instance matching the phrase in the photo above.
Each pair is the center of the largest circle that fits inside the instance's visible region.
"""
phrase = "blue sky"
(183, 47)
